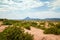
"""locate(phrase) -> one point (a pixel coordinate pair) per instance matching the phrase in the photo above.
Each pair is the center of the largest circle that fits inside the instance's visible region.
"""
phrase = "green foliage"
(40, 27)
(15, 33)
(51, 24)
(58, 26)
(28, 36)
(52, 30)
(26, 25)
(1, 19)
(43, 23)
(7, 23)
(34, 24)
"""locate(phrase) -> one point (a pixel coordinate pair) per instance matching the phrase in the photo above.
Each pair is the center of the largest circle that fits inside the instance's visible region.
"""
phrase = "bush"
(42, 23)
(1, 19)
(28, 37)
(15, 33)
(34, 24)
(58, 26)
(58, 31)
(51, 24)
(7, 23)
(52, 30)
(27, 26)
(41, 27)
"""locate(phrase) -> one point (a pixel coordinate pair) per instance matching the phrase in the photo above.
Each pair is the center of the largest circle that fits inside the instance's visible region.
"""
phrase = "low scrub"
(34, 24)
(41, 27)
(7, 23)
(53, 30)
(15, 33)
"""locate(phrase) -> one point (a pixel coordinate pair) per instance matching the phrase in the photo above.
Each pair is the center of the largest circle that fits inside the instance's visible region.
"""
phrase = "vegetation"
(7, 23)
(41, 27)
(34, 24)
(53, 30)
(15, 33)
(53, 26)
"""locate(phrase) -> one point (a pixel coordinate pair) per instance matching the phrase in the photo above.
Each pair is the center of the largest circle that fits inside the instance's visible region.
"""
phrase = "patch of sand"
(39, 35)
(2, 28)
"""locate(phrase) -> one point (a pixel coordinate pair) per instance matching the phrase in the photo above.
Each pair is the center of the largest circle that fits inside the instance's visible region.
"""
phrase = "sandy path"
(39, 35)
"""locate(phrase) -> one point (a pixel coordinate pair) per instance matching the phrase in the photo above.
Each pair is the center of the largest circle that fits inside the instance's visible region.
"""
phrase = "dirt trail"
(39, 35)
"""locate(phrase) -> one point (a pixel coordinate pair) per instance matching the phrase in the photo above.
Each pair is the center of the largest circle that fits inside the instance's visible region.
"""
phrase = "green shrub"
(41, 27)
(58, 31)
(52, 30)
(15, 33)
(1, 19)
(58, 26)
(7, 23)
(28, 36)
(34, 24)
(27, 26)
(42, 23)
(51, 24)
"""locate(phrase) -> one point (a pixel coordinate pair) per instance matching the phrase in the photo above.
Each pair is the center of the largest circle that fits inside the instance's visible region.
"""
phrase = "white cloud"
(7, 2)
(55, 4)
(45, 14)
(26, 4)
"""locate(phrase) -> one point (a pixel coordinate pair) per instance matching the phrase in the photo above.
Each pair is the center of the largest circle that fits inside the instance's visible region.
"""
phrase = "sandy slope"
(38, 34)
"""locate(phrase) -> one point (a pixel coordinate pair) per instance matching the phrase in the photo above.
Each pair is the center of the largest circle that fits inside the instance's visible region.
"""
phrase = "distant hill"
(53, 19)
(28, 18)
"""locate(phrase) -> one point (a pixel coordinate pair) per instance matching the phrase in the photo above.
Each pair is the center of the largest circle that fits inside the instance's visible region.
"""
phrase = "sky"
(20, 9)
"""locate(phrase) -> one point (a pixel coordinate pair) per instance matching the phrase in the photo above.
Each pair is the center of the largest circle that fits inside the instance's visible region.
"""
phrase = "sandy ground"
(38, 34)
(2, 28)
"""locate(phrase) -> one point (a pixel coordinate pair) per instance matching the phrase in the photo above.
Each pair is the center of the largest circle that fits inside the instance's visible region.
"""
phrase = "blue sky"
(20, 9)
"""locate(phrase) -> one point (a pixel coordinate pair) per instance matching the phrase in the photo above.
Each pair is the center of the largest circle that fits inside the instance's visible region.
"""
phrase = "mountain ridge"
(28, 18)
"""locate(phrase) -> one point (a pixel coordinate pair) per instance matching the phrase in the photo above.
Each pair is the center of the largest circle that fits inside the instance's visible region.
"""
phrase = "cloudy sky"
(19, 9)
